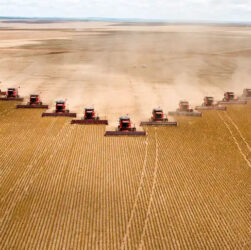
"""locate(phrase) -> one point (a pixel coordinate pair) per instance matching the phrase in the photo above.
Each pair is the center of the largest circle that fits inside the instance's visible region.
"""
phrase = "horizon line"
(124, 19)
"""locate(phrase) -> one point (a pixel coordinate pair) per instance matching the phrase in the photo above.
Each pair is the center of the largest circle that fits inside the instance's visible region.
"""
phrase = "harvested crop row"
(69, 186)
(199, 192)
(240, 116)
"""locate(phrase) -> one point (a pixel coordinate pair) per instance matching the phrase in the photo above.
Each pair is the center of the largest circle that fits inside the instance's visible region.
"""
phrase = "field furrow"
(68, 186)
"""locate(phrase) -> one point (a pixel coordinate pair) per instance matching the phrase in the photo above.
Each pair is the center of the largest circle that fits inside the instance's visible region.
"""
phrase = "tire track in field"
(123, 245)
(152, 193)
(235, 140)
(238, 130)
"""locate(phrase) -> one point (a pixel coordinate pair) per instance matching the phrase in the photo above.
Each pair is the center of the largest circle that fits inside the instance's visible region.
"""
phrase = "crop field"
(66, 186)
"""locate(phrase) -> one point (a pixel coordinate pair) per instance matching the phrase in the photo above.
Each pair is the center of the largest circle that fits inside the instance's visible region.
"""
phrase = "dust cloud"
(122, 70)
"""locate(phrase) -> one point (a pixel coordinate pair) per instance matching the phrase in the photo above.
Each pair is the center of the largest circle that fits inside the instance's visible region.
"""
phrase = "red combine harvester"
(158, 119)
(34, 102)
(60, 110)
(90, 118)
(229, 98)
(184, 110)
(12, 95)
(246, 94)
(125, 128)
(209, 105)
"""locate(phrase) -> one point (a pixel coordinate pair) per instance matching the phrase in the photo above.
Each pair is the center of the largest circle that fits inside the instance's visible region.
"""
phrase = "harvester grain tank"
(158, 119)
(12, 95)
(246, 94)
(34, 102)
(229, 98)
(209, 104)
(90, 118)
(125, 128)
(184, 110)
(60, 110)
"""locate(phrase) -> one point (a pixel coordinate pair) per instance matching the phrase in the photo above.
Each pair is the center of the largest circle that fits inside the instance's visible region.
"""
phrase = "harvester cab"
(208, 101)
(60, 106)
(89, 113)
(12, 92)
(246, 94)
(184, 106)
(229, 96)
(125, 124)
(35, 99)
(158, 115)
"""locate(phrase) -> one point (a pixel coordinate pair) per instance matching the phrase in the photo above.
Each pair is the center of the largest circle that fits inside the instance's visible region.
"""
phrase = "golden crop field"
(66, 186)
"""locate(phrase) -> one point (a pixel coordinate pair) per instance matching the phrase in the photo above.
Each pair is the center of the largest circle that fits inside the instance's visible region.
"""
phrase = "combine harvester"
(125, 128)
(184, 110)
(90, 118)
(229, 98)
(60, 110)
(210, 105)
(34, 102)
(158, 119)
(246, 95)
(11, 95)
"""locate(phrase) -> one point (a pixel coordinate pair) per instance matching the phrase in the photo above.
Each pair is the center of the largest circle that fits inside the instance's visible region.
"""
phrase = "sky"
(172, 10)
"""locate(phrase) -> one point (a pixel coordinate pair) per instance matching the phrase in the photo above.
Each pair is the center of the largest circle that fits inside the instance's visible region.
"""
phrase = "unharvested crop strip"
(235, 141)
(123, 245)
(151, 194)
(205, 213)
(238, 130)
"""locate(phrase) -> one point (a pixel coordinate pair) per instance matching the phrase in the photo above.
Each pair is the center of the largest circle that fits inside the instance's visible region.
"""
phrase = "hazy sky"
(191, 10)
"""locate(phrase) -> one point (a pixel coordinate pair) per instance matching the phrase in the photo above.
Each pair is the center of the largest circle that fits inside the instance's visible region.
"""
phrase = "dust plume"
(122, 70)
